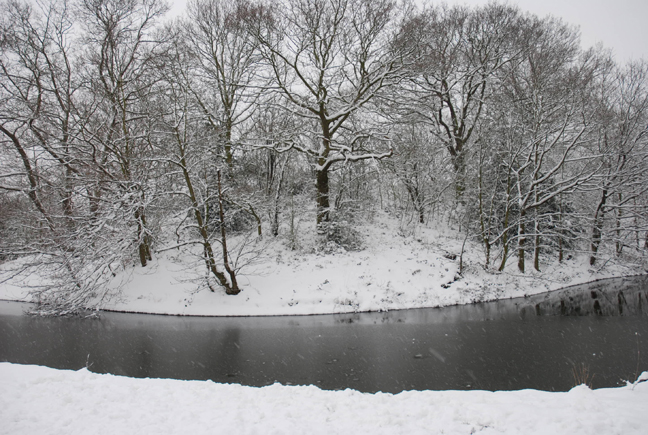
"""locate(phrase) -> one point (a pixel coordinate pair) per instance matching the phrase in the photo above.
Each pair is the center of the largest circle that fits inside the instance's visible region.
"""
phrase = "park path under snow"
(39, 400)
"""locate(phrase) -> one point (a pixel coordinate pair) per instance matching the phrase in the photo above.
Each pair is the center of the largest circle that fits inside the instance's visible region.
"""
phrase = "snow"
(39, 400)
(401, 266)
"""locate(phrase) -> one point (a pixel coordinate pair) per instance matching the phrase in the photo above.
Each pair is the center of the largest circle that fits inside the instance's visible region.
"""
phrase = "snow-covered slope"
(391, 272)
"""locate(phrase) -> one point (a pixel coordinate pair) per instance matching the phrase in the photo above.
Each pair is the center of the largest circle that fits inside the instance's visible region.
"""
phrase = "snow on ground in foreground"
(39, 400)
(392, 272)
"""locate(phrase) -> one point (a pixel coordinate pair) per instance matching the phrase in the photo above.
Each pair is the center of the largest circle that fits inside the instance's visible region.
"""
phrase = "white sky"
(621, 25)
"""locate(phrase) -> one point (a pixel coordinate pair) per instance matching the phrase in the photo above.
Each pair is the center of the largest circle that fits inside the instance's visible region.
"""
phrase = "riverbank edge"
(90, 313)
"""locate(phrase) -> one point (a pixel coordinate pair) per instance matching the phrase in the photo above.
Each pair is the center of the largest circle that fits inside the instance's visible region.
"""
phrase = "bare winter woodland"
(124, 134)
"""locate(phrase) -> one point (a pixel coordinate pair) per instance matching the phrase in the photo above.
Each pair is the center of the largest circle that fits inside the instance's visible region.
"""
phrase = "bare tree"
(623, 147)
(40, 84)
(458, 52)
(418, 168)
(24, 97)
(227, 63)
(121, 47)
(328, 60)
(549, 122)
(192, 153)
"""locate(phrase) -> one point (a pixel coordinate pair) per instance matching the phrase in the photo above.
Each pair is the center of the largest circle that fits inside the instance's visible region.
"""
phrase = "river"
(535, 342)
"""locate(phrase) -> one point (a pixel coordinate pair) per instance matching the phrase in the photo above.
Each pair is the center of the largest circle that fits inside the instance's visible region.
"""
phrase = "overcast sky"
(621, 25)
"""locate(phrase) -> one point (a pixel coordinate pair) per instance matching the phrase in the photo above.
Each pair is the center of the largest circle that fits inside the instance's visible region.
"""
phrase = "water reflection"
(504, 345)
(617, 297)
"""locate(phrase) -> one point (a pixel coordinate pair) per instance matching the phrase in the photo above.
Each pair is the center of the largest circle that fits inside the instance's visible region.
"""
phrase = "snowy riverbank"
(391, 272)
(39, 400)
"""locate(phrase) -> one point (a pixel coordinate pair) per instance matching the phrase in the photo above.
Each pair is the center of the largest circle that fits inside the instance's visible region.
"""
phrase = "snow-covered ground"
(39, 400)
(391, 272)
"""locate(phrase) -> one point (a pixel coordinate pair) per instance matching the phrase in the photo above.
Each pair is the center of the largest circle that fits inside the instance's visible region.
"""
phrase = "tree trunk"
(229, 160)
(323, 205)
(536, 239)
(459, 163)
(560, 232)
(67, 199)
(275, 213)
(233, 289)
(536, 224)
(208, 252)
(507, 214)
(143, 247)
(521, 240)
(536, 253)
(597, 227)
(417, 198)
(619, 216)
(33, 191)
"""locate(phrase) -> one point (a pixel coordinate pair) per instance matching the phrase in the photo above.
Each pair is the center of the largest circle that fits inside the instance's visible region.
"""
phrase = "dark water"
(514, 344)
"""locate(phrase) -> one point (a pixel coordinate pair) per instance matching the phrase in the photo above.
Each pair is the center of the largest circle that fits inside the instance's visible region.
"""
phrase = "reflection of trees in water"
(203, 354)
(143, 361)
(63, 347)
(222, 355)
(608, 298)
(122, 352)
